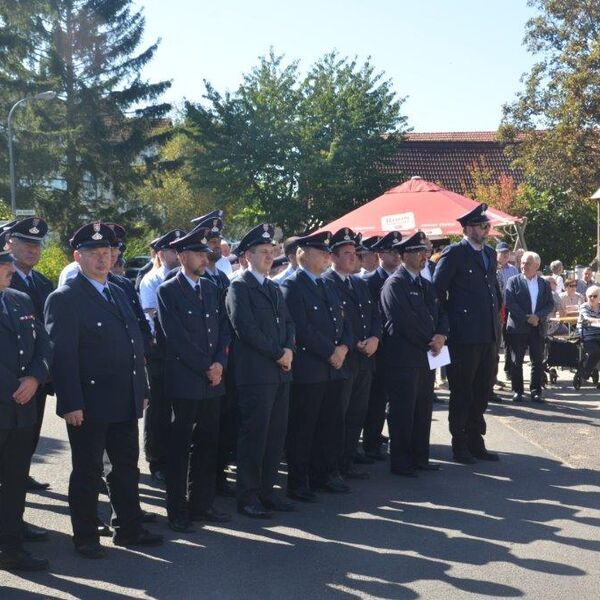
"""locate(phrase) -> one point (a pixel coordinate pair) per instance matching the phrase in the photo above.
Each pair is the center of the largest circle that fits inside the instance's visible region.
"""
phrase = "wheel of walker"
(553, 376)
(595, 376)
(577, 381)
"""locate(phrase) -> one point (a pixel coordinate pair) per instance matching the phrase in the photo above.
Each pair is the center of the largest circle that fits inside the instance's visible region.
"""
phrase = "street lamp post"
(11, 163)
(596, 197)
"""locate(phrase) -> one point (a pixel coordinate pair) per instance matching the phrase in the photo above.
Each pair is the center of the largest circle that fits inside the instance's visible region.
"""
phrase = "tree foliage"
(297, 150)
(95, 145)
(557, 115)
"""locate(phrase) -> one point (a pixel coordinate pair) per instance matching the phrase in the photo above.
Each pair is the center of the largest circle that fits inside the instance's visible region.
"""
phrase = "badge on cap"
(97, 235)
(215, 228)
(326, 241)
(177, 234)
(204, 241)
(34, 229)
(346, 234)
(266, 231)
(484, 208)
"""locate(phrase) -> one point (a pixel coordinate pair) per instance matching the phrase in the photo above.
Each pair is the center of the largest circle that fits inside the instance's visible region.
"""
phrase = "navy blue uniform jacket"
(320, 327)
(24, 351)
(196, 335)
(375, 280)
(469, 293)
(39, 295)
(412, 316)
(262, 328)
(361, 311)
(98, 364)
(518, 303)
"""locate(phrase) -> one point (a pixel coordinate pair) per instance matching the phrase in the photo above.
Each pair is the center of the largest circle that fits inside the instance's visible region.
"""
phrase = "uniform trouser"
(193, 448)
(519, 343)
(410, 392)
(15, 455)
(88, 443)
(315, 423)
(592, 351)
(471, 378)
(355, 402)
(40, 401)
(378, 400)
(157, 418)
(263, 415)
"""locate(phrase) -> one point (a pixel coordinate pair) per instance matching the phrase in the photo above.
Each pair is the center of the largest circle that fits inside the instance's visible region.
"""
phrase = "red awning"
(415, 205)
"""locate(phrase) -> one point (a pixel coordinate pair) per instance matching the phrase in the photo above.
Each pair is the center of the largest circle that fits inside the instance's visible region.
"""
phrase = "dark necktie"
(30, 283)
(108, 295)
(4, 318)
(321, 288)
(35, 297)
(348, 283)
(197, 290)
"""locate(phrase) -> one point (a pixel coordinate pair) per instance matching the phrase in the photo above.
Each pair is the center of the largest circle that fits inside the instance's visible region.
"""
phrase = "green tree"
(557, 115)
(297, 151)
(100, 141)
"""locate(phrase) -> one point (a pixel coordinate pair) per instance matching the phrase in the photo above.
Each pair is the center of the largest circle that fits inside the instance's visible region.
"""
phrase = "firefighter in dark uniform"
(415, 324)
(262, 352)
(25, 244)
(100, 383)
(323, 338)
(389, 260)
(465, 280)
(365, 320)
(24, 363)
(197, 335)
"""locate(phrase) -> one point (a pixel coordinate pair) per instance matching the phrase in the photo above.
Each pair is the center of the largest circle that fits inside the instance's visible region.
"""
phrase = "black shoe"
(537, 398)
(428, 467)
(352, 473)
(31, 533)
(403, 472)
(496, 399)
(159, 477)
(141, 538)
(361, 459)
(36, 486)
(255, 511)
(485, 455)
(378, 454)
(148, 517)
(210, 515)
(225, 489)
(303, 494)
(182, 525)
(464, 457)
(20, 560)
(277, 504)
(92, 550)
(517, 398)
(332, 485)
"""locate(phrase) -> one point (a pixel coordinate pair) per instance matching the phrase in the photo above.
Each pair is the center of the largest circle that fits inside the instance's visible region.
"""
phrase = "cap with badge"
(290, 245)
(261, 234)
(93, 235)
(320, 241)
(164, 241)
(213, 221)
(387, 242)
(367, 243)
(415, 243)
(119, 232)
(32, 229)
(344, 236)
(476, 216)
(194, 241)
(5, 255)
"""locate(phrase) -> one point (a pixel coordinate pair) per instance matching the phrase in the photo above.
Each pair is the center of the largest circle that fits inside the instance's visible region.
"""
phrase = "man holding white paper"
(415, 326)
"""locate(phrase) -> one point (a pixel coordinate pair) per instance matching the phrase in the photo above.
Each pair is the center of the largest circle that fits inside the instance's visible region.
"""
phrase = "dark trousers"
(88, 443)
(410, 392)
(592, 351)
(471, 378)
(15, 456)
(157, 418)
(355, 403)
(263, 414)
(193, 447)
(378, 400)
(40, 401)
(519, 343)
(507, 351)
(314, 430)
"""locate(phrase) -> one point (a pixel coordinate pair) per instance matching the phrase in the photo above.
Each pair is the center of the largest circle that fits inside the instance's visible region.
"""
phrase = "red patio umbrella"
(415, 205)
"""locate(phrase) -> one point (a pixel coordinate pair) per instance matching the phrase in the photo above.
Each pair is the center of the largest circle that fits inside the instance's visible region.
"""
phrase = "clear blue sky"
(457, 61)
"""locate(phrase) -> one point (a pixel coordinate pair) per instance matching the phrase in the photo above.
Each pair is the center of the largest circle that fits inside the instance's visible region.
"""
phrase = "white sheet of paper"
(441, 360)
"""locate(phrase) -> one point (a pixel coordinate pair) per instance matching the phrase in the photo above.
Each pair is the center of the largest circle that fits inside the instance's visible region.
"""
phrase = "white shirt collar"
(259, 276)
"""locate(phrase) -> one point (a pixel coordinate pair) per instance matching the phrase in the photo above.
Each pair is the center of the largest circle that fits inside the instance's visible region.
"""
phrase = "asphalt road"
(525, 527)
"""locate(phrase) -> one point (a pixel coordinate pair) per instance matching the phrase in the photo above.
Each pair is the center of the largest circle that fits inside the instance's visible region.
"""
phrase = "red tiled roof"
(448, 158)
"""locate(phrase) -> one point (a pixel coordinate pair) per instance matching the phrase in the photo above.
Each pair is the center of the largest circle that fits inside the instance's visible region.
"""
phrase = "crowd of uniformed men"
(242, 371)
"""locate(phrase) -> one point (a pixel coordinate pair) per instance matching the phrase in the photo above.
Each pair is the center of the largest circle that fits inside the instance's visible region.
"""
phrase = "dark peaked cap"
(261, 234)
(414, 243)
(163, 242)
(194, 241)
(93, 235)
(475, 216)
(387, 241)
(320, 240)
(32, 229)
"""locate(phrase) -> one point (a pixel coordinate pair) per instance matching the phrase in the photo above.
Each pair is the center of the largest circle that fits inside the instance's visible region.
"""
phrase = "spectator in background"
(289, 249)
(505, 269)
(557, 270)
(570, 299)
(586, 282)
(224, 264)
(589, 327)
(554, 327)
(368, 260)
